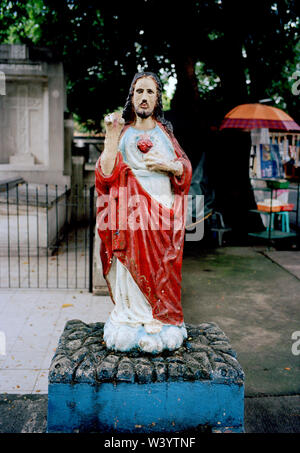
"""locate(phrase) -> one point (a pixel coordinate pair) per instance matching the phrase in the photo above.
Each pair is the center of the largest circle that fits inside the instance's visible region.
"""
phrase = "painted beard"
(141, 113)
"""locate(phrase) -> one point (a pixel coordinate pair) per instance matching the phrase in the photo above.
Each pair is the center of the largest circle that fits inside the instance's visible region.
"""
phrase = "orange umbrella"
(252, 116)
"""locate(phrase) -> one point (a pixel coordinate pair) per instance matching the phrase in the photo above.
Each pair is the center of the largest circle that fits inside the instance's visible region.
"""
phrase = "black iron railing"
(46, 236)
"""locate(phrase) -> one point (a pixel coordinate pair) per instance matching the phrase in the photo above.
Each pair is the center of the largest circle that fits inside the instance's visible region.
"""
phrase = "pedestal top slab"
(82, 357)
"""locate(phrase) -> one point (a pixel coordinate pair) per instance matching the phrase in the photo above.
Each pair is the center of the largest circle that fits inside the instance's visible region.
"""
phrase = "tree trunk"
(231, 64)
(185, 107)
(187, 95)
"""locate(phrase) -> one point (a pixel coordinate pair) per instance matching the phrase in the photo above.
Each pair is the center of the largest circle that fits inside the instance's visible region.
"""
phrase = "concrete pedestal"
(92, 389)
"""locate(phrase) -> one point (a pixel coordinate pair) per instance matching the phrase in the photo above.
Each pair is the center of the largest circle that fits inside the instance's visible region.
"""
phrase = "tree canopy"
(222, 52)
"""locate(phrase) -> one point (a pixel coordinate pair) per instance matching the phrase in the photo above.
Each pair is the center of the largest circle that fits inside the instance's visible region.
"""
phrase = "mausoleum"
(32, 107)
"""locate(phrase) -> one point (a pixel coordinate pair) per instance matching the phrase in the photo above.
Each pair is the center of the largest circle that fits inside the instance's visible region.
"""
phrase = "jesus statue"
(142, 173)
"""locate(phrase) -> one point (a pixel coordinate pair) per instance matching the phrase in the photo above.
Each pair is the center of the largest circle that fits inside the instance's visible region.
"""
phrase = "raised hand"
(114, 124)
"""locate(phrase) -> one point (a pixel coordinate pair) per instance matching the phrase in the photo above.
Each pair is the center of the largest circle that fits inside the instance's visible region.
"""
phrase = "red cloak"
(152, 256)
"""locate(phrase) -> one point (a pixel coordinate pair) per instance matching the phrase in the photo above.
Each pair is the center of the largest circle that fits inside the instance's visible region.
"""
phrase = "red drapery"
(152, 256)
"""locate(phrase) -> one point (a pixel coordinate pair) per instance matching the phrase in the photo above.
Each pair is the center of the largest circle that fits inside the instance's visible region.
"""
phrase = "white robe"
(131, 306)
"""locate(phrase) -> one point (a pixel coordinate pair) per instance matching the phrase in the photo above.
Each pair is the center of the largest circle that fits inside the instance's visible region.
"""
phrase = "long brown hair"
(158, 114)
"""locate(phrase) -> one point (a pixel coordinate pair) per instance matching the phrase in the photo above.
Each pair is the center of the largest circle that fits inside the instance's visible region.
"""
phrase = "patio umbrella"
(256, 116)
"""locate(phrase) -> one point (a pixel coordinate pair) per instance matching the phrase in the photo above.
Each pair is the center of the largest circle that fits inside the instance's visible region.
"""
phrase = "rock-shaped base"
(93, 389)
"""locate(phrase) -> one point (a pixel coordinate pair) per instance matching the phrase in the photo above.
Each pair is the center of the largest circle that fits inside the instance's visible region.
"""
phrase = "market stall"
(274, 160)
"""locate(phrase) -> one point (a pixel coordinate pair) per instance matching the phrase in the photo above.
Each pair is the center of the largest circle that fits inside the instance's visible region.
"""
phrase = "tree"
(222, 53)
(249, 46)
(20, 21)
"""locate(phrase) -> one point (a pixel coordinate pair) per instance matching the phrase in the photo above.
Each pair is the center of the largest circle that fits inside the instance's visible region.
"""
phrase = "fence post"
(297, 208)
(91, 238)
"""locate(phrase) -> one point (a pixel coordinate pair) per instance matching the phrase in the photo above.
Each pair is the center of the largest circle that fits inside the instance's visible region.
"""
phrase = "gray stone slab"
(82, 357)
(289, 260)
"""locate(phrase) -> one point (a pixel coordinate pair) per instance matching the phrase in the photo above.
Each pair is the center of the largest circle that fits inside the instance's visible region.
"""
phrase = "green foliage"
(20, 21)
(207, 79)
(102, 45)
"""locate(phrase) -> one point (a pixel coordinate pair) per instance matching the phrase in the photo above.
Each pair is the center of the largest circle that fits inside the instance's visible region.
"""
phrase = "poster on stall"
(270, 161)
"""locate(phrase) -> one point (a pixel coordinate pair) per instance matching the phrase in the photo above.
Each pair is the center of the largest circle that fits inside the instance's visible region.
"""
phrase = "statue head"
(148, 105)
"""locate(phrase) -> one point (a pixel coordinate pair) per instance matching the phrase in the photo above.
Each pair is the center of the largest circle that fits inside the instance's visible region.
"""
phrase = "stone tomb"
(32, 106)
(93, 389)
(31, 217)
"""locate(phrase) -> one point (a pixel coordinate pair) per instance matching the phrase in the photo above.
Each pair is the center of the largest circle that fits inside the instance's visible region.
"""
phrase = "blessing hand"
(114, 124)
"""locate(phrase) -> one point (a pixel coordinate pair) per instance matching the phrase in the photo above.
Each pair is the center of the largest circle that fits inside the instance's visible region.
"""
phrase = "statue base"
(93, 389)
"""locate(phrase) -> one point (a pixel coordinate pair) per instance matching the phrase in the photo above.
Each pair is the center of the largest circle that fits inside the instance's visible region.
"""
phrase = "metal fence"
(46, 236)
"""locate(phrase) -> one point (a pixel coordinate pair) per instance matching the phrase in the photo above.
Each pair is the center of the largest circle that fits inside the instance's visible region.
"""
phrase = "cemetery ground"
(251, 292)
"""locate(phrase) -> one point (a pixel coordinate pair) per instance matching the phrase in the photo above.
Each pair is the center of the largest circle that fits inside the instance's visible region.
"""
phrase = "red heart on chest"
(144, 144)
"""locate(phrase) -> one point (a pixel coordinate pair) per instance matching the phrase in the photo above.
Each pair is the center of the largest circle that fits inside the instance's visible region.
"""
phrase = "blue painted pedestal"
(92, 389)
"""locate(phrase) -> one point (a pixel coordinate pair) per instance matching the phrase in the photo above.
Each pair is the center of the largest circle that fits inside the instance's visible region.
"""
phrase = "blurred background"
(65, 64)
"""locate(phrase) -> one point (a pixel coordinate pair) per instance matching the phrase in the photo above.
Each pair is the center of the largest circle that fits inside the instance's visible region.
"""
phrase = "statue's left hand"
(155, 161)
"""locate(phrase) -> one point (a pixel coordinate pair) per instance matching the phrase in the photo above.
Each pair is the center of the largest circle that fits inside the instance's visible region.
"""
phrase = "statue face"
(144, 97)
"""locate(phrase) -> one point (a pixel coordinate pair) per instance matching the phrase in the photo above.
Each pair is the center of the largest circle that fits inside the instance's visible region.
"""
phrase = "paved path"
(290, 261)
(252, 298)
(256, 303)
(31, 322)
